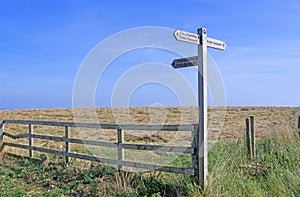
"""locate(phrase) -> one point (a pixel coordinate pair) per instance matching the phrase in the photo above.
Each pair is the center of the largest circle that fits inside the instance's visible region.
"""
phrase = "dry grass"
(230, 126)
(267, 118)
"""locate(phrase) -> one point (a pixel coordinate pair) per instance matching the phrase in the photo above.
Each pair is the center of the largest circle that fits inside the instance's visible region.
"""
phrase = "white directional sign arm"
(186, 37)
(216, 44)
(185, 62)
(195, 39)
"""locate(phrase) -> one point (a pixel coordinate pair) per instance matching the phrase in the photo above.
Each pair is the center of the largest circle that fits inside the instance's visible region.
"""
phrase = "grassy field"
(275, 171)
(222, 126)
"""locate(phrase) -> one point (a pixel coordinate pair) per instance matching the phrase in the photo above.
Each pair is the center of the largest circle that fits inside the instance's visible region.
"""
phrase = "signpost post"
(201, 162)
(201, 136)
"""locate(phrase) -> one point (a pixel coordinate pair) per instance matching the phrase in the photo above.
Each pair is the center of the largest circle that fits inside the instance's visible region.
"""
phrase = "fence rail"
(120, 145)
(185, 127)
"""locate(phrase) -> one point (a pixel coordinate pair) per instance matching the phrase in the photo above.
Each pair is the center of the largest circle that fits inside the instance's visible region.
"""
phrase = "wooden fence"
(120, 145)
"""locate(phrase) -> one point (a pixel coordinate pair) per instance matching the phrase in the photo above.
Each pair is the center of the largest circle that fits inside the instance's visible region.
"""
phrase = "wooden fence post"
(30, 126)
(299, 125)
(1, 134)
(120, 150)
(67, 148)
(248, 140)
(252, 129)
(195, 158)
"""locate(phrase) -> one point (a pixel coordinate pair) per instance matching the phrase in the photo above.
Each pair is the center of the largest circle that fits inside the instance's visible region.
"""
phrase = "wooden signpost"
(201, 136)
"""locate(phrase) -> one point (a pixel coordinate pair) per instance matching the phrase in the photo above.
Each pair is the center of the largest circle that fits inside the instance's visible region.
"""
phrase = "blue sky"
(43, 44)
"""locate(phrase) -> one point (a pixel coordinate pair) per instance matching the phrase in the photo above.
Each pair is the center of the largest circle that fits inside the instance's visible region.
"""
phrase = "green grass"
(275, 172)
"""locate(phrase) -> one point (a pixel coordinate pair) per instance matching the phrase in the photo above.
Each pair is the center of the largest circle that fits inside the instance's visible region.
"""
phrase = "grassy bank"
(275, 172)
